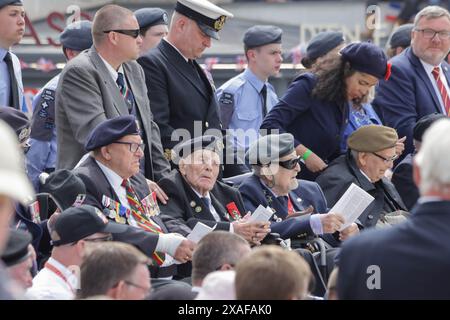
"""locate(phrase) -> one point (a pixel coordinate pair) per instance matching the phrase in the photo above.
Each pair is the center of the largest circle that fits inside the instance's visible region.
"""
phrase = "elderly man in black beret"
(115, 185)
(41, 157)
(321, 47)
(402, 176)
(372, 151)
(153, 24)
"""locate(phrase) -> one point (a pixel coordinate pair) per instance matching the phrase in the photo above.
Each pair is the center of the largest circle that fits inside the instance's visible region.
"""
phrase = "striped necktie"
(143, 221)
(442, 90)
(126, 93)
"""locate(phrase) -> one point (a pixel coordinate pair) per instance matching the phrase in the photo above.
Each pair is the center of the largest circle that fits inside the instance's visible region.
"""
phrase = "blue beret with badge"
(209, 17)
(261, 35)
(110, 131)
(401, 37)
(4, 3)
(368, 58)
(270, 148)
(77, 35)
(16, 120)
(206, 142)
(149, 17)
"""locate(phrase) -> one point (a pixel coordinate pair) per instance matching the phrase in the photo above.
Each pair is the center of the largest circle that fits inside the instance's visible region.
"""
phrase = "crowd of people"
(131, 153)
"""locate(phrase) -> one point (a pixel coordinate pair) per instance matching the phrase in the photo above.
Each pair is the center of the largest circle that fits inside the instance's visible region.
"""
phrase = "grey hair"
(431, 12)
(433, 156)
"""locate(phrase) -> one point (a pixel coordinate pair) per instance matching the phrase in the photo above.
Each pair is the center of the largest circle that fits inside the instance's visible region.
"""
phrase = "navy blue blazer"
(407, 96)
(255, 193)
(317, 124)
(402, 179)
(413, 258)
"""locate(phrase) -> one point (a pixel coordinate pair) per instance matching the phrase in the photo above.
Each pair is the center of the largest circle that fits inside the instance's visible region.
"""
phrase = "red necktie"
(442, 89)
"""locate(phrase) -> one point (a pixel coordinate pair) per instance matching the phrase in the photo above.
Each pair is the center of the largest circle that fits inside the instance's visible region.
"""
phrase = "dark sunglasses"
(291, 163)
(132, 33)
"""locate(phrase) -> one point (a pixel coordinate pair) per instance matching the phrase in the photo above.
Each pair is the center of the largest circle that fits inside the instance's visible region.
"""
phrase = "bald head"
(109, 17)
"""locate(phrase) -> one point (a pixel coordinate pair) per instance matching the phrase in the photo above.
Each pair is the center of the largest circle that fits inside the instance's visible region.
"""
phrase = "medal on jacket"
(35, 212)
(233, 211)
(117, 212)
(150, 204)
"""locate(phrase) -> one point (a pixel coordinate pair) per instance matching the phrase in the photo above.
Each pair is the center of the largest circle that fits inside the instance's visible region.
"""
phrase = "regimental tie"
(126, 93)
(143, 221)
(14, 89)
(442, 90)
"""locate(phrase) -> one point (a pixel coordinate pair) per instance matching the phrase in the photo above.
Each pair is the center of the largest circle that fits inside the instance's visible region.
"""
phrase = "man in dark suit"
(102, 83)
(115, 185)
(196, 196)
(371, 152)
(419, 83)
(410, 260)
(402, 176)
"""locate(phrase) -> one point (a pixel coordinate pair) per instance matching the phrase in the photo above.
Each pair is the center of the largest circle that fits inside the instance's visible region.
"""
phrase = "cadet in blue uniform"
(153, 24)
(315, 107)
(41, 157)
(245, 99)
(12, 26)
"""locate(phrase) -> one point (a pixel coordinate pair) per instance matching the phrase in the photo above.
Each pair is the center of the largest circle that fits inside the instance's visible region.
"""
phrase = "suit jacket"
(185, 206)
(402, 178)
(255, 193)
(179, 92)
(408, 261)
(87, 95)
(97, 186)
(342, 172)
(407, 96)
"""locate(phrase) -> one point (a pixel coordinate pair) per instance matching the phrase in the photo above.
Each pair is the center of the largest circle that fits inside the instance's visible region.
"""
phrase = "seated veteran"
(274, 183)
(372, 151)
(196, 195)
(115, 185)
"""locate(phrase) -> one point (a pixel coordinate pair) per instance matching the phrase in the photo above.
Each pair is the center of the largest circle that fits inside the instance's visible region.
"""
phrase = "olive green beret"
(372, 138)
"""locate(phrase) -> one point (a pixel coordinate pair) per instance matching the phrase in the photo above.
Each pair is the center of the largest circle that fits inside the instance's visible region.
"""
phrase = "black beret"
(16, 120)
(149, 17)
(207, 142)
(77, 223)
(209, 17)
(64, 188)
(110, 131)
(424, 123)
(401, 37)
(4, 3)
(258, 36)
(368, 58)
(372, 138)
(16, 250)
(270, 148)
(77, 36)
(322, 43)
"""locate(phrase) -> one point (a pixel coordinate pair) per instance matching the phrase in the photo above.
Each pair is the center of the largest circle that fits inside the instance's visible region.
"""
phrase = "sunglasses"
(132, 33)
(291, 163)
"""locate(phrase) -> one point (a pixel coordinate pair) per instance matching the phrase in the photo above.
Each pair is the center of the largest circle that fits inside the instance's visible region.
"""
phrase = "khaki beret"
(372, 138)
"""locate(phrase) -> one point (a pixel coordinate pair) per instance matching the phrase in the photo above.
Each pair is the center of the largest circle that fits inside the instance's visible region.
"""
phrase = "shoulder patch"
(226, 99)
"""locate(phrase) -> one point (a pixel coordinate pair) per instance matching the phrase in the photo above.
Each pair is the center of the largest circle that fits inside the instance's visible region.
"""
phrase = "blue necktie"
(14, 89)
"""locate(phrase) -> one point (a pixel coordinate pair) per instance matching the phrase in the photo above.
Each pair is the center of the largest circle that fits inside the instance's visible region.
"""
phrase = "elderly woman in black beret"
(195, 195)
(315, 108)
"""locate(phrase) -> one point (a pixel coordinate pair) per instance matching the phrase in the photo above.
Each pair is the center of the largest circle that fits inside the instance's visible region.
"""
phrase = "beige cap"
(372, 138)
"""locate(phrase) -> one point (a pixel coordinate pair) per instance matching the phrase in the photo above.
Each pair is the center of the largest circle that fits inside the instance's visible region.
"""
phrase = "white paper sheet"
(200, 230)
(261, 214)
(352, 203)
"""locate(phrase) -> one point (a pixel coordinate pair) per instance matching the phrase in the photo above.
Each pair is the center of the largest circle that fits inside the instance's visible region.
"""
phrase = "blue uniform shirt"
(357, 119)
(5, 85)
(42, 153)
(240, 103)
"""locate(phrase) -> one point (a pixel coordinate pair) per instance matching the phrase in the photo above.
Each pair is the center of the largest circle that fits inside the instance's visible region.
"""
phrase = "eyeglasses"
(133, 146)
(100, 239)
(430, 34)
(386, 160)
(290, 164)
(136, 285)
(132, 33)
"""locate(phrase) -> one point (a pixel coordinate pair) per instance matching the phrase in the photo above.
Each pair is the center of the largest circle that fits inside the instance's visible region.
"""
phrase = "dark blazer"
(97, 185)
(342, 172)
(412, 258)
(185, 206)
(314, 123)
(255, 193)
(402, 178)
(407, 96)
(87, 95)
(179, 92)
